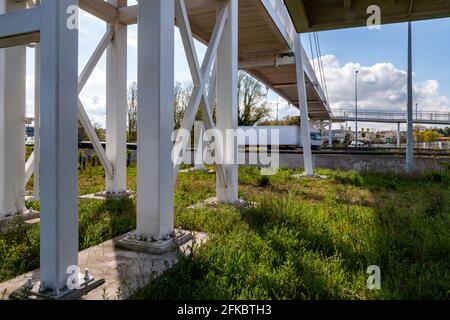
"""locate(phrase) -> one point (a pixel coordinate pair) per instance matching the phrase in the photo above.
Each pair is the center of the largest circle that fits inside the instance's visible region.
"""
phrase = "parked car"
(357, 144)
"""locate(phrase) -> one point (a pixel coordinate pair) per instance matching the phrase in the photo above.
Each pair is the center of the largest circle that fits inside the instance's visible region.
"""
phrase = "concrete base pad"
(34, 292)
(305, 176)
(131, 242)
(197, 170)
(27, 217)
(31, 198)
(108, 196)
(124, 271)
(213, 202)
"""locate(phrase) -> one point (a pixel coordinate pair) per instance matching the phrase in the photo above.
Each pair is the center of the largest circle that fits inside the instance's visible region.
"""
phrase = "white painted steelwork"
(51, 26)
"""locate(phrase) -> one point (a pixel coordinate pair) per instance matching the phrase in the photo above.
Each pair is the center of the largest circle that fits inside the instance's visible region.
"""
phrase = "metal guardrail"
(426, 117)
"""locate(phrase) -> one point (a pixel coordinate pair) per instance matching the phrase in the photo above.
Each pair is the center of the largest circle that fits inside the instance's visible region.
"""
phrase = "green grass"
(98, 222)
(302, 239)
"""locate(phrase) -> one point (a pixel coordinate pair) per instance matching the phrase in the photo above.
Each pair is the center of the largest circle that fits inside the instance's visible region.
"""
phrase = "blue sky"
(431, 48)
(361, 48)
(380, 55)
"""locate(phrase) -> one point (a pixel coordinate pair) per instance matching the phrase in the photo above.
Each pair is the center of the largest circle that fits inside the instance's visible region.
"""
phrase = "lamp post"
(410, 131)
(417, 114)
(278, 118)
(356, 106)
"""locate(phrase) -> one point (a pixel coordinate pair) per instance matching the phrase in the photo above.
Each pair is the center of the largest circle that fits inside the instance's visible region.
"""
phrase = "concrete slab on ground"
(28, 217)
(304, 176)
(197, 170)
(108, 196)
(124, 271)
(213, 203)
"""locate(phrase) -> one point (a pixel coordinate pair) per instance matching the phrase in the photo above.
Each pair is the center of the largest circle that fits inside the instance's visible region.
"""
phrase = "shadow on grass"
(288, 248)
(405, 234)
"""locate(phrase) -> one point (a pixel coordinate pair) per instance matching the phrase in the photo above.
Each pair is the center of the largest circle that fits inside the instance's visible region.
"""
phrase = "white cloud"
(93, 96)
(381, 87)
(132, 40)
(284, 109)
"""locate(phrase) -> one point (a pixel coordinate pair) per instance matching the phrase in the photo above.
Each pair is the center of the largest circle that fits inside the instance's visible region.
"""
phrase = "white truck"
(288, 136)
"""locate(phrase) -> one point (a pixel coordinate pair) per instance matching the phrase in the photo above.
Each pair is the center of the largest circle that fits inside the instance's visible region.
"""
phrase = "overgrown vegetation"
(300, 238)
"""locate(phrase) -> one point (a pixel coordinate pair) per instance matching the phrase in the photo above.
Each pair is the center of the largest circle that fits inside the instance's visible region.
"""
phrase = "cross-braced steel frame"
(58, 107)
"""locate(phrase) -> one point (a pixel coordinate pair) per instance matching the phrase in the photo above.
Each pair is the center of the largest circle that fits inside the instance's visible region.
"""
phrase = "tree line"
(253, 105)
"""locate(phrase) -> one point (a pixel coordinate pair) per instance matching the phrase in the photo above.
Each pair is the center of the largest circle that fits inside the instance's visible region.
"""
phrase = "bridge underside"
(253, 35)
(320, 15)
(265, 49)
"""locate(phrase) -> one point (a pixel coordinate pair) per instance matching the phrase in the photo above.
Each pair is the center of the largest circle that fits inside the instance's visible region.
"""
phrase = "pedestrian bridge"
(266, 48)
(433, 118)
(257, 36)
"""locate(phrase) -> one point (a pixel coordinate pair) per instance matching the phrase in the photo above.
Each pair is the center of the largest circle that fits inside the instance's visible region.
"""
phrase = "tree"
(100, 131)
(132, 112)
(183, 92)
(445, 132)
(252, 107)
(423, 134)
(286, 121)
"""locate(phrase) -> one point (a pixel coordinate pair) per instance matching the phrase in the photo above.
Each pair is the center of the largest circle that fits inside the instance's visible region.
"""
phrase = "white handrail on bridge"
(391, 115)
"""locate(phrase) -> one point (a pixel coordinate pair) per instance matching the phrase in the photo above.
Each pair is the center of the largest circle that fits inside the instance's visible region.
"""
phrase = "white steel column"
(155, 119)
(399, 137)
(303, 106)
(227, 102)
(116, 106)
(330, 133)
(59, 84)
(37, 121)
(410, 124)
(199, 145)
(12, 127)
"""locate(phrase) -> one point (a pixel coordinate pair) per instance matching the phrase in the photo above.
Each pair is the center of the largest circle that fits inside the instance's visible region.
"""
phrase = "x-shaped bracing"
(82, 114)
(200, 98)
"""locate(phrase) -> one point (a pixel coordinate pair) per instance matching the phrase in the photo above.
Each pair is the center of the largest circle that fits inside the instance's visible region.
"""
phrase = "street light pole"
(356, 106)
(417, 114)
(278, 119)
(410, 131)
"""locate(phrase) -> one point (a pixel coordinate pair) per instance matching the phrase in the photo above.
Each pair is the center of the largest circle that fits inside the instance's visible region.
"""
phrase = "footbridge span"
(428, 118)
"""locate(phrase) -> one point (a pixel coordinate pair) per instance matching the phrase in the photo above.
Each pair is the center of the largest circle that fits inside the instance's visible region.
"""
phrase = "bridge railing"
(390, 115)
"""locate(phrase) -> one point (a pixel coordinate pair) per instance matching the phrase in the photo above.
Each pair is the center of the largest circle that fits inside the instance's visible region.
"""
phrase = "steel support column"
(155, 119)
(59, 143)
(227, 103)
(330, 133)
(37, 121)
(12, 127)
(399, 137)
(199, 145)
(116, 111)
(303, 106)
(410, 130)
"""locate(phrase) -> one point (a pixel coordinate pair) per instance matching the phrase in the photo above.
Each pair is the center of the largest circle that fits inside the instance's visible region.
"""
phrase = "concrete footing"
(35, 291)
(109, 196)
(306, 176)
(28, 217)
(197, 170)
(214, 202)
(124, 271)
(132, 242)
